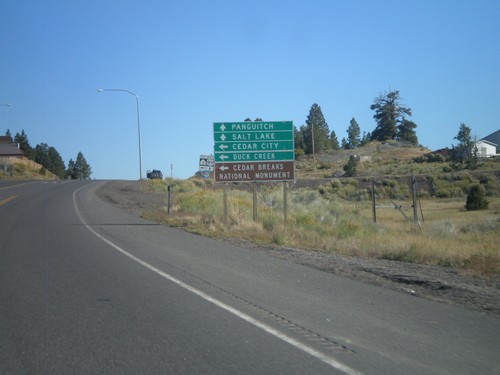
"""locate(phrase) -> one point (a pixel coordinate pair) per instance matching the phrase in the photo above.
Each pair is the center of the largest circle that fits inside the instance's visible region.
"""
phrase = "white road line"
(276, 333)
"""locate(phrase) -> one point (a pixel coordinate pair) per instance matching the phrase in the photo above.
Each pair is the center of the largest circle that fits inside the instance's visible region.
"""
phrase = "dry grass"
(448, 235)
(27, 170)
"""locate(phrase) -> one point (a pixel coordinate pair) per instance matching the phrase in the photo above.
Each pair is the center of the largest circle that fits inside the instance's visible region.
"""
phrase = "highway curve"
(86, 287)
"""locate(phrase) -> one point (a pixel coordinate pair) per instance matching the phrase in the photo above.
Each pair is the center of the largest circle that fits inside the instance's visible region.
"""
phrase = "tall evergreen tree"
(57, 162)
(298, 141)
(71, 172)
(406, 131)
(334, 142)
(465, 153)
(353, 134)
(79, 169)
(8, 134)
(316, 127)
(41, 156)
(24, 145)
(83, 169)
(365, 138)
(343, 144)
(388, 115)
(50, 159)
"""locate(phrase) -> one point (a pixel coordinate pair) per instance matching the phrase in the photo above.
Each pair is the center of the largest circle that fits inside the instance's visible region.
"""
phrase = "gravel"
(446, 285)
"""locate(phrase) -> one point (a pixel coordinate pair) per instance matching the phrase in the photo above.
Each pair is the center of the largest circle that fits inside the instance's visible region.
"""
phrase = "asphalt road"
(86, 288)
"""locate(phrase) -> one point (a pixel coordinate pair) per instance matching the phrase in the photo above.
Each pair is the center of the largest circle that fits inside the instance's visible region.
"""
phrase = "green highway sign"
(256, 126)
(253, 146)
(227, 157)
(237, 144)
(246, 136)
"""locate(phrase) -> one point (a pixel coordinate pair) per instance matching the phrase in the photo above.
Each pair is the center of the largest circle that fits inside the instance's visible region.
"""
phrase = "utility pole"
(314, 156)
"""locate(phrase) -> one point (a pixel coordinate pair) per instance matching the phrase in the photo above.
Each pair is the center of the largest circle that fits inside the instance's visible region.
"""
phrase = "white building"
(486, 149)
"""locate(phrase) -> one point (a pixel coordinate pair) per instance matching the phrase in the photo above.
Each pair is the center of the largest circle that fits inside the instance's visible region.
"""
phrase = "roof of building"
(487, 142)
(10, 150)
(493, 138)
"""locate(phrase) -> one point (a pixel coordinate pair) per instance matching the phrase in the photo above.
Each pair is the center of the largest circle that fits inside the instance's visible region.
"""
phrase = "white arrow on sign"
(223, 147)
(223, 168)
(223, 157)
(222, 127)
(222, 137)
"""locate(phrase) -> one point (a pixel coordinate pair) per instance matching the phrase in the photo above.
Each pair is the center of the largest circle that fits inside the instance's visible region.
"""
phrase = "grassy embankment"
(21, 171)
(337, 216)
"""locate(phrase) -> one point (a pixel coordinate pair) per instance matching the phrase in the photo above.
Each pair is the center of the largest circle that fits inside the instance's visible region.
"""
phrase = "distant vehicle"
(154, 174)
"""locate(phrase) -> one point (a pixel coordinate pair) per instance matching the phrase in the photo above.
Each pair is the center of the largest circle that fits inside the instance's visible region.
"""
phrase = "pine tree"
(334, 142)
(365, 139)
(83, 168)
(350, 167)
(41, 156)
(388, 115)
(24, 145)
(298, 141)
(58, 167)
(316, 126)
(406, 132)
(50, 159)
(465, 153)
(79, 169)
(8, 134)
(353, 134)
(71, 171)
(344, 145)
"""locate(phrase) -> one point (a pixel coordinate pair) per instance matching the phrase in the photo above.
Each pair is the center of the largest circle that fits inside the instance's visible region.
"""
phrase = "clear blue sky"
(193, 63)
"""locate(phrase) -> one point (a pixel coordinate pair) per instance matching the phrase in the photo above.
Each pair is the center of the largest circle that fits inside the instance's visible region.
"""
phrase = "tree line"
(392, 120)
(50, 159)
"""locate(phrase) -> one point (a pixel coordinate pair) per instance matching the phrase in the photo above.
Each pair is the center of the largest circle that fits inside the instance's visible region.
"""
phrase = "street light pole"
(138, 124)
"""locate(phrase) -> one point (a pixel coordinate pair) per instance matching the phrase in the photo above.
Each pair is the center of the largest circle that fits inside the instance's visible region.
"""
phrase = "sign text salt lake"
(253, 136)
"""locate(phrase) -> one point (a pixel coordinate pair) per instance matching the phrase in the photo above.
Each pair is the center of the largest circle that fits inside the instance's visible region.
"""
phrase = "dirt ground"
(446, 285)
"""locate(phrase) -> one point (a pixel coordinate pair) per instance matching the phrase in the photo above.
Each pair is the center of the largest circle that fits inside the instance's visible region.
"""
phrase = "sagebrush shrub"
(476, 199)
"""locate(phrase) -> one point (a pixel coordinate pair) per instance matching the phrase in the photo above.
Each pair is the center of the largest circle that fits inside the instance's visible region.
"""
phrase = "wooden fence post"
(254, 201)
(374, 209)
(414, 198)
(169, 202)
(224, 200)
(285, 202)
